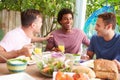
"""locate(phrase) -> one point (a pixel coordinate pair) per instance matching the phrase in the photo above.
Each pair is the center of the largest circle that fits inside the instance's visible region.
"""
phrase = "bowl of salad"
(50, 63)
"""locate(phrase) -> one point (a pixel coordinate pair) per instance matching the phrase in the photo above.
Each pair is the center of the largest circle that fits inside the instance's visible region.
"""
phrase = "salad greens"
(52, 65)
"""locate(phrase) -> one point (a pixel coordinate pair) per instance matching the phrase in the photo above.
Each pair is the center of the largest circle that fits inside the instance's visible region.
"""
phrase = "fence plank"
(5, 24)
(0, 19)
(11, 20)
(17, 19)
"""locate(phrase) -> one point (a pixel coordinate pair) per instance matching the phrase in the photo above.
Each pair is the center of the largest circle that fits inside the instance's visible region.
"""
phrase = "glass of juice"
(61, 47)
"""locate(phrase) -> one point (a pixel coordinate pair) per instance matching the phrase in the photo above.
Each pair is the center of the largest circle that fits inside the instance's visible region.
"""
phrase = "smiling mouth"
(68, 25)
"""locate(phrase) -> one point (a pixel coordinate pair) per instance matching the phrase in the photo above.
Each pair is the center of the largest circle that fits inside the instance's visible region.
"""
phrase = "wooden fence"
(9, 20)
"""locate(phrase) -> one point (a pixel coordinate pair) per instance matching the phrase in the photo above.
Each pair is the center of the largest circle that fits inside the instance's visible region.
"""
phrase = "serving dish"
(71, 74)
(50, 63)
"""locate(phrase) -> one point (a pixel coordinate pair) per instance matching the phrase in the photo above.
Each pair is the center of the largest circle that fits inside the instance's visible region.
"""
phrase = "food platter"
(61, 63)
(50, 63)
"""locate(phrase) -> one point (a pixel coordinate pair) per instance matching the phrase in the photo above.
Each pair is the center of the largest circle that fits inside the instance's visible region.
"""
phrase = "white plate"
(89, 63)
(17, 76)
(71, 74)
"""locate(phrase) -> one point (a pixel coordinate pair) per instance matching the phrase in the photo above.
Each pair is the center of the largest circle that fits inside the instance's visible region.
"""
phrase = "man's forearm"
(38, 39)
(8, 55)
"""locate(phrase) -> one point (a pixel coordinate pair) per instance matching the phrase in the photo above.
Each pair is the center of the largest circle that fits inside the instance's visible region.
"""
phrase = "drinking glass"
(38, 49)
(61, 47)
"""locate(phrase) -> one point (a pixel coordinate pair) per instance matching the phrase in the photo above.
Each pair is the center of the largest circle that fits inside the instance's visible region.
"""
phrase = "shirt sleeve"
(7, 42)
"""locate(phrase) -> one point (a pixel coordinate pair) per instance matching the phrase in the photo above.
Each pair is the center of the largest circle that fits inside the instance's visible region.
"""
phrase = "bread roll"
(105, 69)
(83, 69)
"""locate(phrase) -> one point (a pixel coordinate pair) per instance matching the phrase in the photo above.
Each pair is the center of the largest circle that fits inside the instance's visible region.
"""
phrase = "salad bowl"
(50, 63)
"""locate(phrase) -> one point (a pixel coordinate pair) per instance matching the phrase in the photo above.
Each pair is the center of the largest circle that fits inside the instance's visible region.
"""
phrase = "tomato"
(68, 77)
(79, 76)
(62, 76)
(59, 75)
(76, 76)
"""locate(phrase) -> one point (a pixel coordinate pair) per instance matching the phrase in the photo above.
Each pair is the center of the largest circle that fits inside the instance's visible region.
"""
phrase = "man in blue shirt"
(106, 44)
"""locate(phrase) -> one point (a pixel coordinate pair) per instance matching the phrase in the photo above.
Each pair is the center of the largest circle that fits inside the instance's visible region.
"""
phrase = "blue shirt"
(106, 49)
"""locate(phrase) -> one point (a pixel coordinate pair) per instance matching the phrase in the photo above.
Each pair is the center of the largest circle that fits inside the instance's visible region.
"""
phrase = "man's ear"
(109, 26)
(33, 25)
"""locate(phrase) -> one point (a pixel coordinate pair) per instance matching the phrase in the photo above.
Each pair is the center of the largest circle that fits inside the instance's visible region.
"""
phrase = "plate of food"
(69, 76)
(50, 63)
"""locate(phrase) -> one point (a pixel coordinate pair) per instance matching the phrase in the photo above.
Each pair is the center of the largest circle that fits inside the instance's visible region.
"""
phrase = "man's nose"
(68, 21)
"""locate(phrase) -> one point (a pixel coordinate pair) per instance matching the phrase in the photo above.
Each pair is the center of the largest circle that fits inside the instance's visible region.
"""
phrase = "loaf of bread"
(105, 69)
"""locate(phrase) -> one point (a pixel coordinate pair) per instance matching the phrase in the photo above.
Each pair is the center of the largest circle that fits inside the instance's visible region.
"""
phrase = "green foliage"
(118, 18)
(93, 5)
(47, 7)
(50, 8)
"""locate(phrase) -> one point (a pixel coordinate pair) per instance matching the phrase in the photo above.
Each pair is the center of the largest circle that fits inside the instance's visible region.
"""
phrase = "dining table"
(31, 70)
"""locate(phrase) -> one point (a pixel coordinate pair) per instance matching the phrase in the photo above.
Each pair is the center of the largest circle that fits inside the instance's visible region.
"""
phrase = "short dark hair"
(62, 12)
(28, 16)
(108, 18)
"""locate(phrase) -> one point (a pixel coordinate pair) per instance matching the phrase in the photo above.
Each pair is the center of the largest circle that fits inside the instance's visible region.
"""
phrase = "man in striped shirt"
(68, 36)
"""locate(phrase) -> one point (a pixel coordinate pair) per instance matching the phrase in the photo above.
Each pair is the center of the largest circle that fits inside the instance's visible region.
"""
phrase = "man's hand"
(56, 49)
(49, 36)
(26, 50)
(85, 57)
